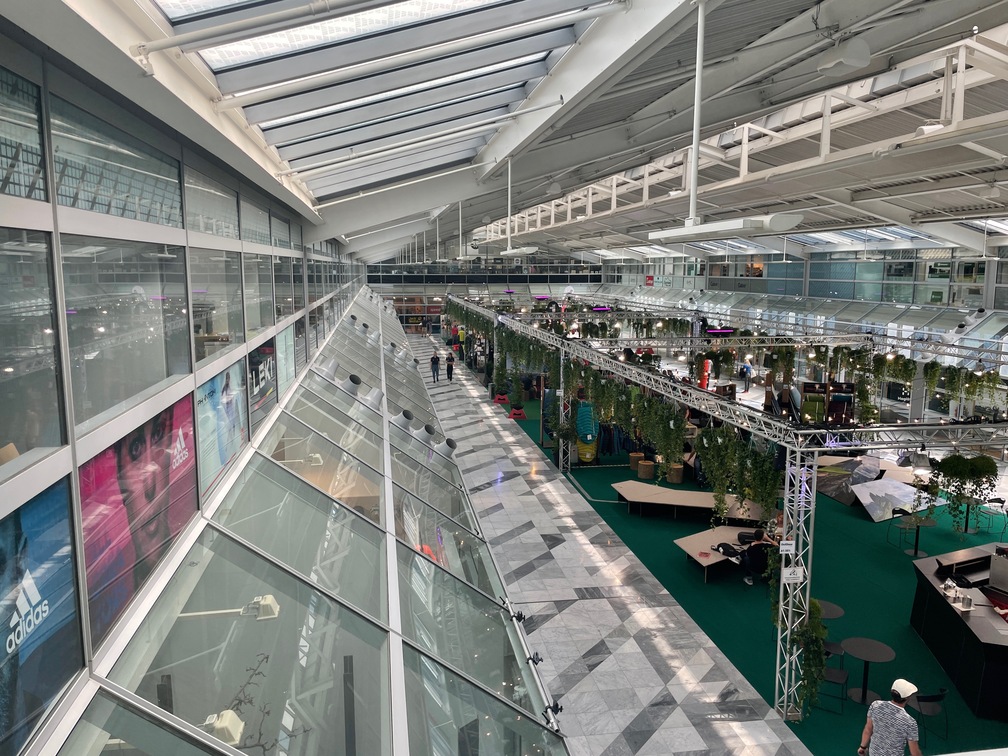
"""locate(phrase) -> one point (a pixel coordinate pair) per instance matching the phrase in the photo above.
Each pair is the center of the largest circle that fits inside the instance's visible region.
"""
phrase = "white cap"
(903, 688)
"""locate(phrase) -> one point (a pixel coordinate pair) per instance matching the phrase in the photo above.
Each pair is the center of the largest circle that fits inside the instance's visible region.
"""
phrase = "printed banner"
(262, 382)
(222, 422)
(135, 498)
(38, 606)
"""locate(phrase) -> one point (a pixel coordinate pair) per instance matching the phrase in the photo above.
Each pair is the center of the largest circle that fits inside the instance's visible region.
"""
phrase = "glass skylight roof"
(334, 30)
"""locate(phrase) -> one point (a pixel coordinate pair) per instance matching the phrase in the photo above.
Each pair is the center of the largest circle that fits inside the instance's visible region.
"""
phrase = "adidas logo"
(180, 452)
(29, 612)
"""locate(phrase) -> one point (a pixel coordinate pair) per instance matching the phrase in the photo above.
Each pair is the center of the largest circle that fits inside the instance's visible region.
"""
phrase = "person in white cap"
(889, 728)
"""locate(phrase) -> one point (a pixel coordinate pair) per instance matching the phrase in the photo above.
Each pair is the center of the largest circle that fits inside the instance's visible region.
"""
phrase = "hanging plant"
(932, 372)
(866, 410)
(764, 481)
(964, 480)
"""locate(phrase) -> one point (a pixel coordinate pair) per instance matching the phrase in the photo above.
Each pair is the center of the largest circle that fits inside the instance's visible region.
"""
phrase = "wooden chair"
(931, 706)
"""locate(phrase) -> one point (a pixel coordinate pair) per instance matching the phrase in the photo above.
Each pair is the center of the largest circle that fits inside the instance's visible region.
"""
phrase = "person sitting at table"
(756, 557)
(889, 728)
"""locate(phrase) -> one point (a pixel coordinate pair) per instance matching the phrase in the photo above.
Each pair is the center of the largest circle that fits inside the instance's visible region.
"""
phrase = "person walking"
(450, 365)
(889, 728)
(747, 374)
(435, 366)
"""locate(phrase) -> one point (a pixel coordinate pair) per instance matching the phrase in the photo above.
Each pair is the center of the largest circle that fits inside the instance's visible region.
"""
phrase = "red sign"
(649, 280)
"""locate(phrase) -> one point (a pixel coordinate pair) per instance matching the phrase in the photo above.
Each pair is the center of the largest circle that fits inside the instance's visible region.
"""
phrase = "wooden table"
(641, 493)
(867, 650)
(698, 546)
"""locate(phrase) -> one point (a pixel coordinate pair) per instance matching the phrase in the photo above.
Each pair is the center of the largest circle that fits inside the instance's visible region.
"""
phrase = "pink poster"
(136, 496)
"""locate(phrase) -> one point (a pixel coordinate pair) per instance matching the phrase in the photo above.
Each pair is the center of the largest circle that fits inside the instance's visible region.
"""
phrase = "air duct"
(446, 448)
(403, 420)
(426, 433)
(351, 384)
(374, 399)
(328, 370)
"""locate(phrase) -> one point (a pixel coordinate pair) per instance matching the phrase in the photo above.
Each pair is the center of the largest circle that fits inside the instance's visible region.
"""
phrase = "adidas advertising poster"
(38, 604)
(222, 420)
(135, 498)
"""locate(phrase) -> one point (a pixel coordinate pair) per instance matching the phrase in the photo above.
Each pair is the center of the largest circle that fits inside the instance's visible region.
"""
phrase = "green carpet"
(853, 566)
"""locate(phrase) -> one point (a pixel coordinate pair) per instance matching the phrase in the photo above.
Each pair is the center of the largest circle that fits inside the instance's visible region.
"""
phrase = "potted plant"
(516, 394)
(671, 442)
(717, 449)
(764, 482)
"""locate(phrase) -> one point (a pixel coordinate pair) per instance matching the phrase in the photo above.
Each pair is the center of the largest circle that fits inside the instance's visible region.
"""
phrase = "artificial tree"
(718, 450)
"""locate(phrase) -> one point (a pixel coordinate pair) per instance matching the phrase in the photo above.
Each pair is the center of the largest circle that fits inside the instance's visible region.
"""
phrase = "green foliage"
(810, 638)
(864, 398)
(932, 372)
(515, 396)
(718, 450)
(763, 480)
(902, 370)
(964, 480)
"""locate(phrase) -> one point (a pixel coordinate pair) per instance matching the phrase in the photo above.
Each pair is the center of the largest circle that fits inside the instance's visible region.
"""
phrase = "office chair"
(929, 706)
(897, 521)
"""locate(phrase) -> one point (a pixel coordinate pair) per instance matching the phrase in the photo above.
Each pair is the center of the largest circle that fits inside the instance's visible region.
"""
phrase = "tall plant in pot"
(670, 442)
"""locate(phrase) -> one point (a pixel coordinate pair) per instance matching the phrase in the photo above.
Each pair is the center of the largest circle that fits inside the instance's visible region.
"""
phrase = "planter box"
(635, 458)
(675, 475)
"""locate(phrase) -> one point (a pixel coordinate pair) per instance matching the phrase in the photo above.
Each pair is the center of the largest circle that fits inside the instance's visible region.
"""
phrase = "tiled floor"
(633, 672)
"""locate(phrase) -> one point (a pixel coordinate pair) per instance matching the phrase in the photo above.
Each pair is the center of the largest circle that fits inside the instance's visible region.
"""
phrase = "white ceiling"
(376, 119)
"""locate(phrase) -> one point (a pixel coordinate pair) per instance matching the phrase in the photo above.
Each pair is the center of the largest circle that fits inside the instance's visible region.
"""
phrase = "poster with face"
(38, 608)
(262, 381)
(135, 498)
(222, 423)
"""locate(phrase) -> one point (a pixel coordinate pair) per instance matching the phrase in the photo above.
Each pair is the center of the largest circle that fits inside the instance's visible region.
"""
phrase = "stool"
(635, 458)
(645, 470)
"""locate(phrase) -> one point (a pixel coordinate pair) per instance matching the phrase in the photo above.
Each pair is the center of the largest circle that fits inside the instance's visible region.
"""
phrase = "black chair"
(931, 706)
(901, 525)
(834, 650)
(834, 676)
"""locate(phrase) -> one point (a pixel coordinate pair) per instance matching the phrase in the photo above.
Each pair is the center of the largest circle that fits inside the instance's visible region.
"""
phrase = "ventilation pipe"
(351, 384)
(403, 420)
(446, 448)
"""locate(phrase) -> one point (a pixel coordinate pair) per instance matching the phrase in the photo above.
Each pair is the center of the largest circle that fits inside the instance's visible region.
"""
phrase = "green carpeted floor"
(853, 566)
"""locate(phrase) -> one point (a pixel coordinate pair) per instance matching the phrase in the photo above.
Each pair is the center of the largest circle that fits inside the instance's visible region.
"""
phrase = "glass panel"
(283, 285)
(105, 170)
(258, 293)
(211, 207)
(126, 314)
(444, 541)
(338, 427)
(870, 292)
(448, 715)
(421, 452)
(371, 21)
(136, 496)
(299, 293)
(341, 399)
(217, 302)
(109, 727)
(254, 223)
(23, 173)
(285, 359)
(896, 292)
(222, 423)
(303, 528)
(316, 329)
(448, 619)
(30, 416)
(431, 488)
(300, 345)
(281, 232)
(262, 382)
(315, 458)
(285, 669)
(38, 594)
(296, 237)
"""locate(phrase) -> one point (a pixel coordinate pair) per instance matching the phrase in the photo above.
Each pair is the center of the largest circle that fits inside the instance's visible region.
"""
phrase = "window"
(211, 208)
(127, 321)
(216, 301)
(104, 170)
(30, 414)
(258, 293)
(22, 173)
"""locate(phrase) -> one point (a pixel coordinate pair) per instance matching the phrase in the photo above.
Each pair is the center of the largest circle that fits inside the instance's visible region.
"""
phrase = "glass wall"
(255, 225)
(31, 415)
(127, 321)
(283, 286)
(216, 302)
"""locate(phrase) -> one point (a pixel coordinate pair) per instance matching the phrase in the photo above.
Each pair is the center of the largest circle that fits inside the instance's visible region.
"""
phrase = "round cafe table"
(917, 522)
(830, 611)
(867, 650)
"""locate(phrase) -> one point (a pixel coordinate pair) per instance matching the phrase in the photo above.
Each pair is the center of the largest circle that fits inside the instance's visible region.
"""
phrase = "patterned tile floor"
(633, 672)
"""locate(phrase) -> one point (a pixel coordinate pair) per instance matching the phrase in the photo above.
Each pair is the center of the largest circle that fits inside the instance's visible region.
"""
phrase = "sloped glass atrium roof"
(335, 596)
